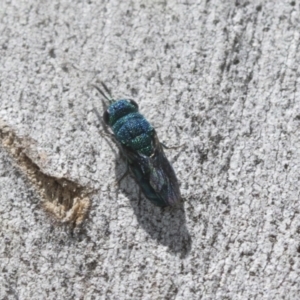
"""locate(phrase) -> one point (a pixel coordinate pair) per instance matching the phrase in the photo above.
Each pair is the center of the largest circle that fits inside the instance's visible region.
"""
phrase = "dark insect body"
(143, 151)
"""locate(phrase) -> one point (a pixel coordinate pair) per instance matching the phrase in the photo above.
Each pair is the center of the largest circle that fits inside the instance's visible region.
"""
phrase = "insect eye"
(106, 117)
(133, 103)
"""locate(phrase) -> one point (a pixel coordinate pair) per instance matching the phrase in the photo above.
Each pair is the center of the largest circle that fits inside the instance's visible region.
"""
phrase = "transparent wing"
(154, 174)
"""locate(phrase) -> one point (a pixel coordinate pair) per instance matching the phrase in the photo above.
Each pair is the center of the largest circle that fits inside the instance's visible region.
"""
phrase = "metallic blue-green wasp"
(143, 152)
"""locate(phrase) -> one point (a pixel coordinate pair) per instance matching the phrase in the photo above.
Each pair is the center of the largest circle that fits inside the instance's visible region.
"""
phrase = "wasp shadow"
(166, 225)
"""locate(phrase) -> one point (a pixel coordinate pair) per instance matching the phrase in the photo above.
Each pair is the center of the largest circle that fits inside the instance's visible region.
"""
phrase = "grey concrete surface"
(218, 77)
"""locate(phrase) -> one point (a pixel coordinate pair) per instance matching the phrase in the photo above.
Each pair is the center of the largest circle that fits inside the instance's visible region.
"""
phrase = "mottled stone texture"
(220, 78)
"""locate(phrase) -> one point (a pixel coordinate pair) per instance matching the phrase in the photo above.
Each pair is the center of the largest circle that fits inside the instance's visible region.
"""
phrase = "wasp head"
(119, 109)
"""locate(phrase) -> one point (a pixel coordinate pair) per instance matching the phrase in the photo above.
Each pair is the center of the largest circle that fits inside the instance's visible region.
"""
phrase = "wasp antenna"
(107, 90)
(101, 92)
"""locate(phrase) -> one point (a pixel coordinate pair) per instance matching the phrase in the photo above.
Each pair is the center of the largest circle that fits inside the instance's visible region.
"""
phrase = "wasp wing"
(154, 174)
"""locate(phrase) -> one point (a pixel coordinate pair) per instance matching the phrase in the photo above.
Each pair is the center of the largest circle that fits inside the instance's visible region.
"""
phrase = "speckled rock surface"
(218, 77)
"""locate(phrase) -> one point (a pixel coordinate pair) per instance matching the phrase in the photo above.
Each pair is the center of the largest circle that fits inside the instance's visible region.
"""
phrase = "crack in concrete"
(66, 200)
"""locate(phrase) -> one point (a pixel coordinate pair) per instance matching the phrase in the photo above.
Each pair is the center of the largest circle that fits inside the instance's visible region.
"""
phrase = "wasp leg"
(122, 177)
(105, 132)
(174, 147)
(158, 143)
(140, 197)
